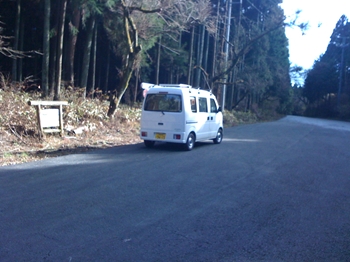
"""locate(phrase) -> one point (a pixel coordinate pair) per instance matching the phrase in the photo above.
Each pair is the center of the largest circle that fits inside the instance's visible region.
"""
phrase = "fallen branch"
(16, 134)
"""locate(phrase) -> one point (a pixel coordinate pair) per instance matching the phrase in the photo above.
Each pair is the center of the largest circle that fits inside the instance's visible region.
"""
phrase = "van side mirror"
(219, 109)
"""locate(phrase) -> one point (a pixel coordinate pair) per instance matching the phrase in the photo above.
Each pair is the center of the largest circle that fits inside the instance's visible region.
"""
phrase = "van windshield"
(163, 103)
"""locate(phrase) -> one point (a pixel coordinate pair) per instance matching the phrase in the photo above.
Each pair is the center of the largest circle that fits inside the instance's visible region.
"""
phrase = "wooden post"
(61, 119)
(38, 112)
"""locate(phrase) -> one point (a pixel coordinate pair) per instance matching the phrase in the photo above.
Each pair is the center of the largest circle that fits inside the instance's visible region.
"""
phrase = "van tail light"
(143, 133)
(177, 136)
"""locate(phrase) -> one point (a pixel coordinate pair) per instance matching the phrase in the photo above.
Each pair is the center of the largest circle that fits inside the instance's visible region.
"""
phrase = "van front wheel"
(218, 138)
(190, 142)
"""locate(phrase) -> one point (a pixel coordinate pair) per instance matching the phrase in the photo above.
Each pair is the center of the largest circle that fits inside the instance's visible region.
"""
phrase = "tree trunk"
(46, 50)
(16, 40)
(227, 50)
(53, 46)
(53, 57)
(213, 69)
(249, 101)
(198, 58)
(200, 50)
(239, 98)
(71, 42)
(62, 17)
(178, 71)
(114, 99)
(129, 62)
(171, 76)
(87, 52)
(137, 75)
(232, 89)
(158, 59)
(205, 82)
(236, 69)
(21, 43)
(190, 59)
(93, 63)
(107, 70)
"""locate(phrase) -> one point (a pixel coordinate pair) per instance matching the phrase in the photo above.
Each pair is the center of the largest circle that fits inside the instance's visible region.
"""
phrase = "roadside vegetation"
(86, 126)
(327, 85)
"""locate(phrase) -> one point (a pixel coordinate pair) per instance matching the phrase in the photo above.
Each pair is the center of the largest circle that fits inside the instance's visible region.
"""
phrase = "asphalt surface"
(276, 191)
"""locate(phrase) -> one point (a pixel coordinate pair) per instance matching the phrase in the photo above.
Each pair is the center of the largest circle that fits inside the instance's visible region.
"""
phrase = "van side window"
(203, 106)
(193, 104)
(213, 106)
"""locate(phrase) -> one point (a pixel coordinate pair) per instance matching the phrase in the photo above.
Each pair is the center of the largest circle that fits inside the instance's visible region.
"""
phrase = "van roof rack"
(148, 85)
(176, 85)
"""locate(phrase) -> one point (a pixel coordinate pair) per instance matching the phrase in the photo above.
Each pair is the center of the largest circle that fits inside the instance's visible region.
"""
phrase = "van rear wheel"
(190, 142)
(218, 138)
(149, 143)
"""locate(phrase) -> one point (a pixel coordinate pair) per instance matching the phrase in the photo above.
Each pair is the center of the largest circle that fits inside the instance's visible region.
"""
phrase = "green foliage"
(262, 72)
(321, 80)
(278, 60)
(174, 58)
(286, 106)
(92, 7)
(148, 28)
(233, 118)
(325, 85)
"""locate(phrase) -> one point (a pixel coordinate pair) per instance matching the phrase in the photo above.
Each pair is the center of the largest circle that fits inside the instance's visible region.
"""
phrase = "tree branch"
(140, 9)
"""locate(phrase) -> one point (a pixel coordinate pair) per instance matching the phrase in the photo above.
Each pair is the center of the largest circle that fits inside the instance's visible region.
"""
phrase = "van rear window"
(163, 102)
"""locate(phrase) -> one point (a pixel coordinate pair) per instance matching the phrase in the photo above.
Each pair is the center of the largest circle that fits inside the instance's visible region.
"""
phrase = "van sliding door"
(214, 121)
(203, 119)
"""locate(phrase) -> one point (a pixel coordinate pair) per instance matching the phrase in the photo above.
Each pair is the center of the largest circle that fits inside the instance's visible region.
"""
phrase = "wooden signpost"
(50, 120)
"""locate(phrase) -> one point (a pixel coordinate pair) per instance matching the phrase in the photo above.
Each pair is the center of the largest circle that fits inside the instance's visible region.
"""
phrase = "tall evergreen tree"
(46, 49)
(328, 77)
(60, 36)
(16, 39)
(74, 18)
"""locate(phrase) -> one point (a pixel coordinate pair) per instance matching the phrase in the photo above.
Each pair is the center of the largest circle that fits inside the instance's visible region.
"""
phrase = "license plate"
(160, 136)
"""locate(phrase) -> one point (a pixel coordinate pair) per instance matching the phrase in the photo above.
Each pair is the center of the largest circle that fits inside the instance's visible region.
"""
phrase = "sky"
(322, 16)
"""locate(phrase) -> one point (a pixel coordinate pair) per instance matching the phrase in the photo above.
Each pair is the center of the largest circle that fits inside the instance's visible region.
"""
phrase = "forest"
(106, 48)
(326, 90)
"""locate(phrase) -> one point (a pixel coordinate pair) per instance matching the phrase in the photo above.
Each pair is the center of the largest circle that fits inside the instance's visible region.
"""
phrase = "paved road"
(275, 191)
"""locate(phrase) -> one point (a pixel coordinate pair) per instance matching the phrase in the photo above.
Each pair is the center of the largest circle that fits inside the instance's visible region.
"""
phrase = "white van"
(179, 114)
